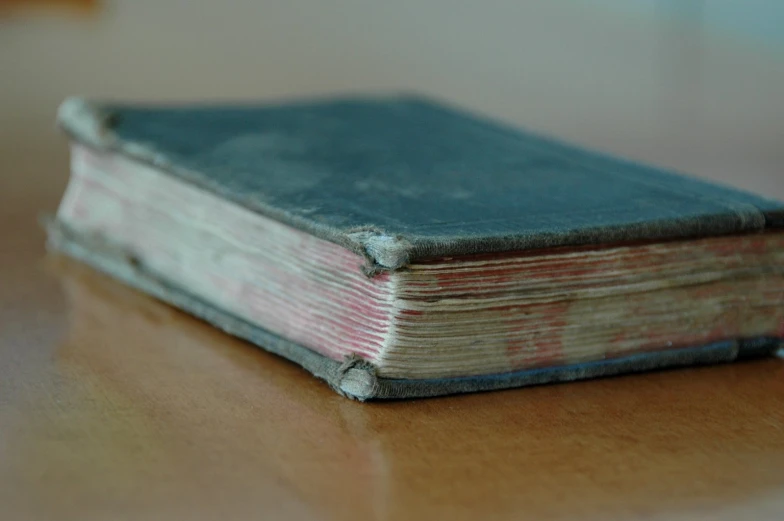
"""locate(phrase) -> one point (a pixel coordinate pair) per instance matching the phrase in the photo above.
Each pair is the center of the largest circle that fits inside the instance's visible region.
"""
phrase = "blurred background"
(688, 84)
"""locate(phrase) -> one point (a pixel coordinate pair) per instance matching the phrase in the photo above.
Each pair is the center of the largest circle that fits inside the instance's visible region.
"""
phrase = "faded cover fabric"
(400, 179)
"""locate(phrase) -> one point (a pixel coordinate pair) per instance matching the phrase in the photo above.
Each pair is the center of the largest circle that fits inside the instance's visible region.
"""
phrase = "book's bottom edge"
(356, 378)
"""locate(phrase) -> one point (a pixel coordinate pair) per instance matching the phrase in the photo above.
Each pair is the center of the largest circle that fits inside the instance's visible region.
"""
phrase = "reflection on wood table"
(137, 409)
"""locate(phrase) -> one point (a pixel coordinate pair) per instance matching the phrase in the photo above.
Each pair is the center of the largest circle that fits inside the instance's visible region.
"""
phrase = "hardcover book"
(398, 247)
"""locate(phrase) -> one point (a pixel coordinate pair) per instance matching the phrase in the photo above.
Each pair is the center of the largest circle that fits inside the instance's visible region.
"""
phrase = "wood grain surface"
(114, 406)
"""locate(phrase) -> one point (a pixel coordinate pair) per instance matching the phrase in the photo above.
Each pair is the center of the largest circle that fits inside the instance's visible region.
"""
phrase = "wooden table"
(114, 406)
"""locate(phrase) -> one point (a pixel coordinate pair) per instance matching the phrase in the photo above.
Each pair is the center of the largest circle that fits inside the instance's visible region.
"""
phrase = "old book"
(397, 247)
